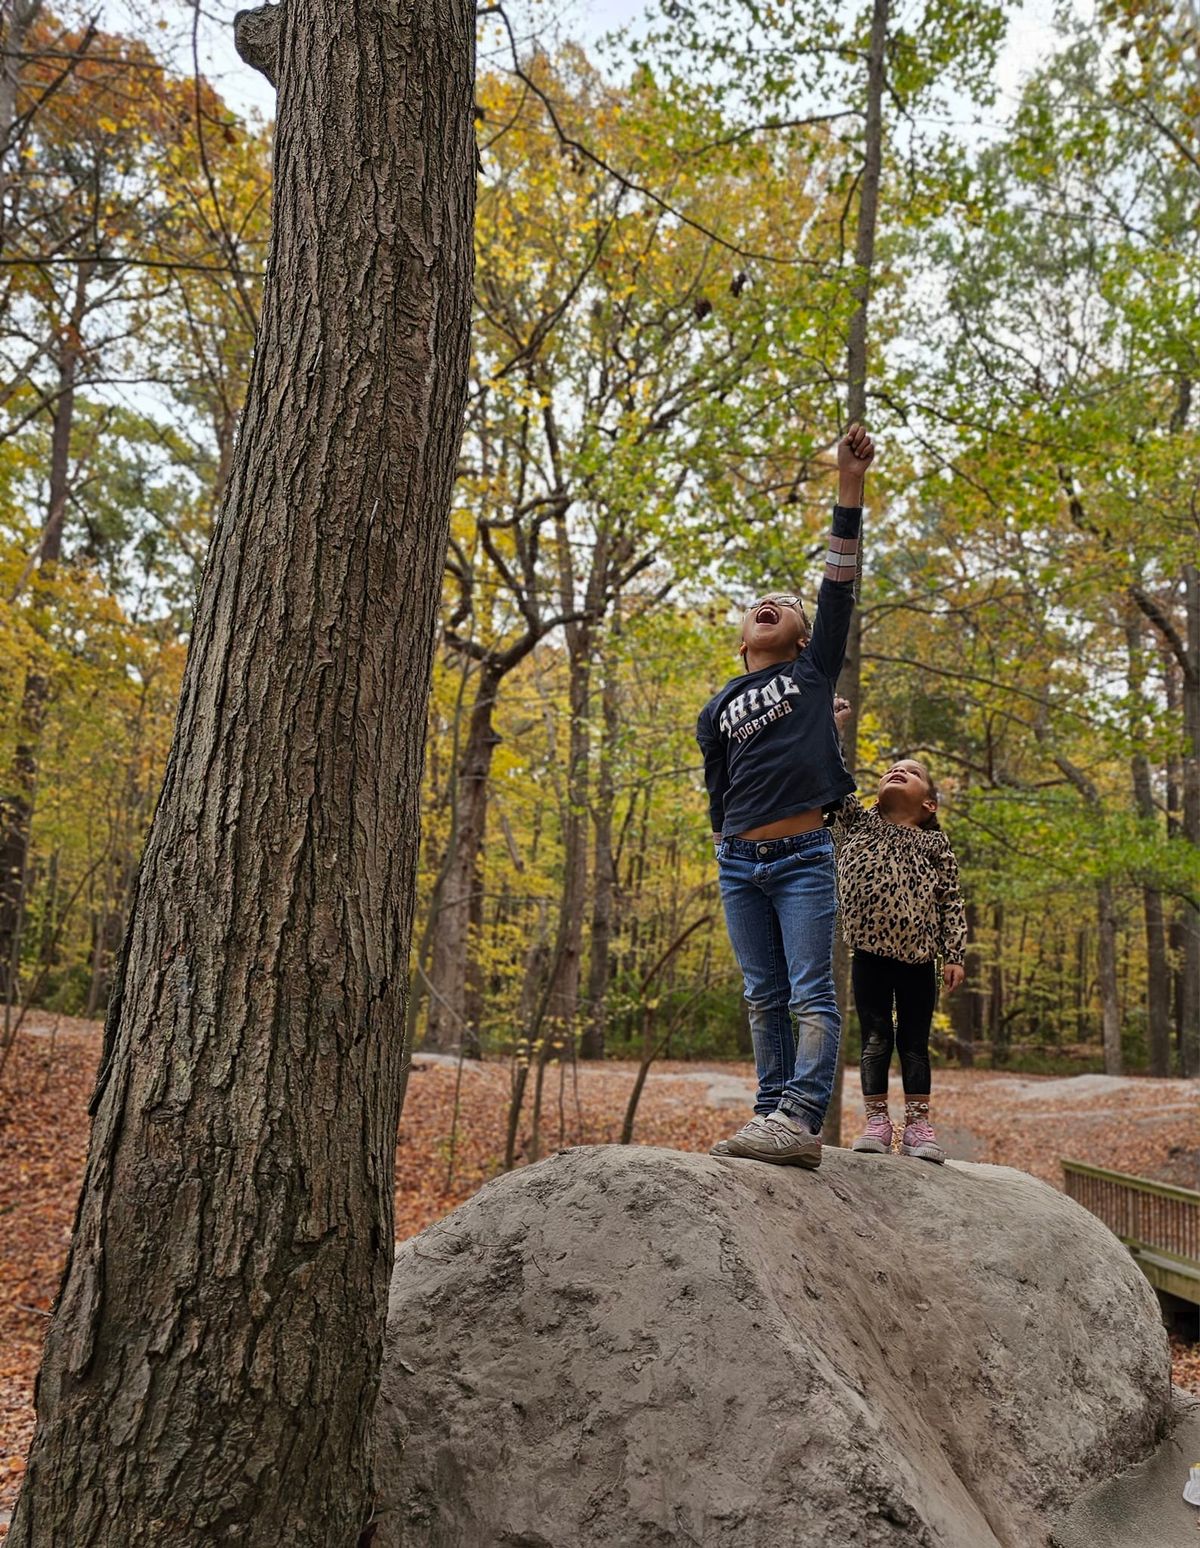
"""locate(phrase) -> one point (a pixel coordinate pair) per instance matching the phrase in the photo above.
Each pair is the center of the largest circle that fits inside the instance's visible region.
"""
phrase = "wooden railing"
(1158, 1222)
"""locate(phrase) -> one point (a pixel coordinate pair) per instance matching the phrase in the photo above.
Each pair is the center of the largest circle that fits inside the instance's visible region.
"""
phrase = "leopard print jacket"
(898, 888)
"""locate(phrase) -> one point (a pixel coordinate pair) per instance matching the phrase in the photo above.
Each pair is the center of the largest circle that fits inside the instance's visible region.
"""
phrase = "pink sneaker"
(920, 1140)
(876, 1138)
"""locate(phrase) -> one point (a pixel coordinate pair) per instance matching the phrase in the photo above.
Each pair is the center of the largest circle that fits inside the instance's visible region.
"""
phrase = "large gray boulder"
(630, 1347)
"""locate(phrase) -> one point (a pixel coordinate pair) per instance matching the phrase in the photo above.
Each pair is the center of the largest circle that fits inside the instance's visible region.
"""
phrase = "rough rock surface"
(631, 1347)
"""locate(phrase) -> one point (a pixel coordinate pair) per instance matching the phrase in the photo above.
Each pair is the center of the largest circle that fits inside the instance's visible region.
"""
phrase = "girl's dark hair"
(930, 823)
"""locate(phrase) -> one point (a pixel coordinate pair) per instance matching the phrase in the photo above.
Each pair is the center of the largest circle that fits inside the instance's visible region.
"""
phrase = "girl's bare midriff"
(802, 822)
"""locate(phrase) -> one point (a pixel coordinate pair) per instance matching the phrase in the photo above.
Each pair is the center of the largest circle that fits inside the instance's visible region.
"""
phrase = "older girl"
(772, 766)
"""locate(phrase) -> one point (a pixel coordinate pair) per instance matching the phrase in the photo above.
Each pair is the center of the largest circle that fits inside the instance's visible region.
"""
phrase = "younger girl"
(901, 909)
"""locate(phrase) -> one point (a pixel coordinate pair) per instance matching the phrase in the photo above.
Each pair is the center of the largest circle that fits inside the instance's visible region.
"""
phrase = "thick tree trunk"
(211, 1369)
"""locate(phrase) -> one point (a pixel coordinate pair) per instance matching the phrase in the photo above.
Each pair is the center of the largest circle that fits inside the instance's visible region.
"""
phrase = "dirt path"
(1148, 1127)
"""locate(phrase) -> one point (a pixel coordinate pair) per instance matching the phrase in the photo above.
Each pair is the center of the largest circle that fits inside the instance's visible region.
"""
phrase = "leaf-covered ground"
(448, 1148)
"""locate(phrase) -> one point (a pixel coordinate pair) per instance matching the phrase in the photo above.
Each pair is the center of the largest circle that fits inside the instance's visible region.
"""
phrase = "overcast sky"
(1030, 37)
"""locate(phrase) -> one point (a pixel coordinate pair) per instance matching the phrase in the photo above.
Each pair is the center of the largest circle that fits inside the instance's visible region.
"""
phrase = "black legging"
(912, 986)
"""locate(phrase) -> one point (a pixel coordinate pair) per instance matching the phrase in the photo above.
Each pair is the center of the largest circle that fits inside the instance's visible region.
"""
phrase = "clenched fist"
(855, 453)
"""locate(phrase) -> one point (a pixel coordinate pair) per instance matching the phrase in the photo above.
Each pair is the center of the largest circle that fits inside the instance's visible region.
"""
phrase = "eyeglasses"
(783, 599)
(780, 600)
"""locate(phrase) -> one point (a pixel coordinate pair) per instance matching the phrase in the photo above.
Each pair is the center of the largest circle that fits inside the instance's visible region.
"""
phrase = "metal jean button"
(764, 849)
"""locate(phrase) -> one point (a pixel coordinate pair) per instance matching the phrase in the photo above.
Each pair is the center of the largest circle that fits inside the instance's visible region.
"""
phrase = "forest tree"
(211, 1368)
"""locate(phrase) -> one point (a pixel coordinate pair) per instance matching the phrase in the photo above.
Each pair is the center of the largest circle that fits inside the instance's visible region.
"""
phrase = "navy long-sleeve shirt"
(769, 739)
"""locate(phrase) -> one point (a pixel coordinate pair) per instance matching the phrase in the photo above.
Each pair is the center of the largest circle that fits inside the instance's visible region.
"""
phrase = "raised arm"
(835, 599)
(848, 815)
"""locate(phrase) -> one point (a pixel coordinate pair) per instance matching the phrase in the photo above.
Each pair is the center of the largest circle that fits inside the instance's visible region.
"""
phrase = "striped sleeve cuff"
(841, 558)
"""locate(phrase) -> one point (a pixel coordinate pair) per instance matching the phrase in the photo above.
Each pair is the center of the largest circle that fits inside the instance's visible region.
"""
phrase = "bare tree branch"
(622, 178)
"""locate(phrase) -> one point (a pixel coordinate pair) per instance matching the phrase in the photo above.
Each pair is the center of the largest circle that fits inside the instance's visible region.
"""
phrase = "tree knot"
(257, 36)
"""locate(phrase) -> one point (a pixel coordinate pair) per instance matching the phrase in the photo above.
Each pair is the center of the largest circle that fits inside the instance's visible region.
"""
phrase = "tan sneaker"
(722, 1147)
(777, 1138)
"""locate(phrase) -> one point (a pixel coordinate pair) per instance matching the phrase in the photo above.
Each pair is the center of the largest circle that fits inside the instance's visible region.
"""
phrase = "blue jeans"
(780, 898)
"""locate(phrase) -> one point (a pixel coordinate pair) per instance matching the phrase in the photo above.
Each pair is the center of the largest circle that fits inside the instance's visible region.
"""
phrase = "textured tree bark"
(258, 35)
(211, 1368)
